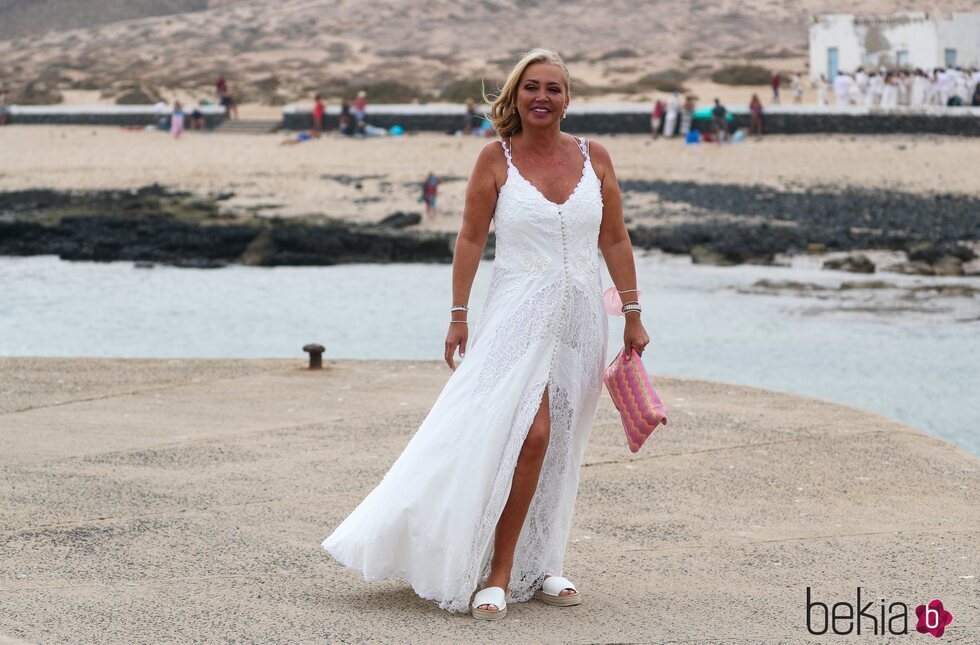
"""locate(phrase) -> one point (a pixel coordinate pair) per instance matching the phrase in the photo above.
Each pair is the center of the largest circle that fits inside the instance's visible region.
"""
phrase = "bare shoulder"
(599, 152)
(492, 153)
(601, 160)
(491, 163)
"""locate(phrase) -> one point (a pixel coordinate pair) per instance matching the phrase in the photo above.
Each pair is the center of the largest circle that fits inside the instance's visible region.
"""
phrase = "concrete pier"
(185, 501)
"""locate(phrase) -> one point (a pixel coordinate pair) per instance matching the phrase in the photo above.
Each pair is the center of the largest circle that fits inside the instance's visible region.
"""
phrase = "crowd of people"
(952, 87)
(676, 118)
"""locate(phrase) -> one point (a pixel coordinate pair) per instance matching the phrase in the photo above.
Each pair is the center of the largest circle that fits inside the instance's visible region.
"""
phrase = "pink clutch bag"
(633, 395)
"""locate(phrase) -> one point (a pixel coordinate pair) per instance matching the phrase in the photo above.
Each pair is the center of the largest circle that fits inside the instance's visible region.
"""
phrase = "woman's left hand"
(634, 336)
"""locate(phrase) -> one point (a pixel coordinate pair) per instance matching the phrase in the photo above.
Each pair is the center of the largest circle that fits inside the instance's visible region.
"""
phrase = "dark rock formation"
(853, 263)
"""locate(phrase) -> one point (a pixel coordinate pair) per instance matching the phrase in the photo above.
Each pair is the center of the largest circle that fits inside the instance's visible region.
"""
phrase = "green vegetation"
(469, 88)
(741, 75)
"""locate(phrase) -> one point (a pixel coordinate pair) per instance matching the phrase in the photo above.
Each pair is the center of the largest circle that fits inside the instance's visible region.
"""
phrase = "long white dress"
(431, 520)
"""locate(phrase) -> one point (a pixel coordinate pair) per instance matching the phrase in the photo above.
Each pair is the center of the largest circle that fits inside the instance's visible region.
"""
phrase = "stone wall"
(635, 119)
(121, 116)
(592, 119)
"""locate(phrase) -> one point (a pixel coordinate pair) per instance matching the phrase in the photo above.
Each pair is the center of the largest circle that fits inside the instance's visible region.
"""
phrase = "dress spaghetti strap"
(506, 146)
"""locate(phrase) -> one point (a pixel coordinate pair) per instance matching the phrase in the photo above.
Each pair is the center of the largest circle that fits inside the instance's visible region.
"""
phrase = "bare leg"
(522, 490)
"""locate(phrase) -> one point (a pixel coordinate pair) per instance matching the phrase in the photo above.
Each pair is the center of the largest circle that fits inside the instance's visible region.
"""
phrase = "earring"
(564, 114)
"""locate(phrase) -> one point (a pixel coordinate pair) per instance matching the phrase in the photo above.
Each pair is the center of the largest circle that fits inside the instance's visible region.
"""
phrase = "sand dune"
(275, 52)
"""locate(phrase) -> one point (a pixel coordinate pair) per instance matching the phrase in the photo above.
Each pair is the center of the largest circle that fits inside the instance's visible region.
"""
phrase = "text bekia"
(844, 618)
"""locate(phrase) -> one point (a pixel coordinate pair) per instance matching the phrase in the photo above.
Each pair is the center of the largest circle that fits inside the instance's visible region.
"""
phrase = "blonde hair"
(503, 107)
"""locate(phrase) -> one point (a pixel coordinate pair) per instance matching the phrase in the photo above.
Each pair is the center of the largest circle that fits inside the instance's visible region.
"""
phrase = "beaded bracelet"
(459, 308)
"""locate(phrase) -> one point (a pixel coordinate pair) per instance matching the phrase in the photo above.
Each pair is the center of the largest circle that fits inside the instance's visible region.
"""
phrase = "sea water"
(898, 352)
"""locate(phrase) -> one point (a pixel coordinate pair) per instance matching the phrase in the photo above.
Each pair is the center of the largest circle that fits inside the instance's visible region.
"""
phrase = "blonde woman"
(481, 499)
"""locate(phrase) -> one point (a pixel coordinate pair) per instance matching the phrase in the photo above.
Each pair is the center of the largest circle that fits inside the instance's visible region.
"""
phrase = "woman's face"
(541, 95)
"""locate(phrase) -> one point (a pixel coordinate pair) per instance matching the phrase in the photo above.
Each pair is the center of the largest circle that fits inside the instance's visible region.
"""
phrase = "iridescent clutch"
(633, 394)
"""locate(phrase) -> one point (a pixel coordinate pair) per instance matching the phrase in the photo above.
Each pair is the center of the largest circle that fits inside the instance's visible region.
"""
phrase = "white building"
(912, 40)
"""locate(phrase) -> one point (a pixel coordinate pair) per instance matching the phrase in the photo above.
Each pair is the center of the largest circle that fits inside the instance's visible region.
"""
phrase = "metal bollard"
(316, 355)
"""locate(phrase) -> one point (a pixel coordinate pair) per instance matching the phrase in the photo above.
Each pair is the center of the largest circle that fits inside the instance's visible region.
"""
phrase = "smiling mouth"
(540, 110)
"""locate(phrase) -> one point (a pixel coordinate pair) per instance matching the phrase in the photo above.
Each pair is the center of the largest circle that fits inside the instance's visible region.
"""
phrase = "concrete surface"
(185, 501)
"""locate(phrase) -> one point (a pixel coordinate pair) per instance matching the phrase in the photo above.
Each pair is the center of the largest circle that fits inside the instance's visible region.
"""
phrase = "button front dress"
(431, 519)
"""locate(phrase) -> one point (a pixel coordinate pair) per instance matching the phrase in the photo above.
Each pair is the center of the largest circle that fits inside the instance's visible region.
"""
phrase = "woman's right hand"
(455, 337)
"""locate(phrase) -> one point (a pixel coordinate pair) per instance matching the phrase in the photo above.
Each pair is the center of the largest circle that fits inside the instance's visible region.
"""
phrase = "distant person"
(687, 115)
(670, 119)
(360, 106)
(719, 121)
(177, 120)
(876, 87)
(842, 88)
(775, 80)
(346, 126)
(889, 96)
(797, 88)
(470, 117)
(162, 112)
(917, 91)
(229, 104)
(657, 118)
(197, 119)
(944, 81)
(317, 115)
(823, 91)
(4, 110)
(755, 113)
(860, 87)
(430, 188)
(975, 102)
(220, 87)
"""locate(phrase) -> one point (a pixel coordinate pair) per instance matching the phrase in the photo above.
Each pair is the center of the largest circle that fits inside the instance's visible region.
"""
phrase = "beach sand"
(367, 180)
(185, 500)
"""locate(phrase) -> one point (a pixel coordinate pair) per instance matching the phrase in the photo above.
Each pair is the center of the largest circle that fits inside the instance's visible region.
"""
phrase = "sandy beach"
(367, 180)
(187, 500)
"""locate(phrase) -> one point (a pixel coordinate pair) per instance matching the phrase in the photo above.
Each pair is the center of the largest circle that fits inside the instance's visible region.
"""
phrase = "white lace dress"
(431, 520)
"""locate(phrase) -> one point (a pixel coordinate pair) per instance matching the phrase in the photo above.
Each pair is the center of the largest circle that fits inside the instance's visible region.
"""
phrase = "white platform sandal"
(489, 596)
(550, 592)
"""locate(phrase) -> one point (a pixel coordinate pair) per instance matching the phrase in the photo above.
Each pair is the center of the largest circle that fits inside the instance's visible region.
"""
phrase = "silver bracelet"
(632, 306)
(459, 308)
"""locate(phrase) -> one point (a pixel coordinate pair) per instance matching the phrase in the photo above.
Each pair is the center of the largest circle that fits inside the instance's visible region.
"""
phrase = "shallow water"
(912, 360)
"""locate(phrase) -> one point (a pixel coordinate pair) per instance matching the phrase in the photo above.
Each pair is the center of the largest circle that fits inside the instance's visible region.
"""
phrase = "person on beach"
(755, 114)
(481, 499)
(317, 114)
(719, 122)
(231, 108)
(360, 106)
(470, 117)
(220, 87)
(823, 91)
(842, 88)
(670, 120)
(797, 88)
(687, 115)
(177, 120)
(775, 80)
(346, 121)
(197, 118)
(3, 108)
(430, 188)
(656, 118)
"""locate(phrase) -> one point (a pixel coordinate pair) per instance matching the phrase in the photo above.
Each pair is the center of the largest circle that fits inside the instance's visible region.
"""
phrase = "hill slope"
(277, 51)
